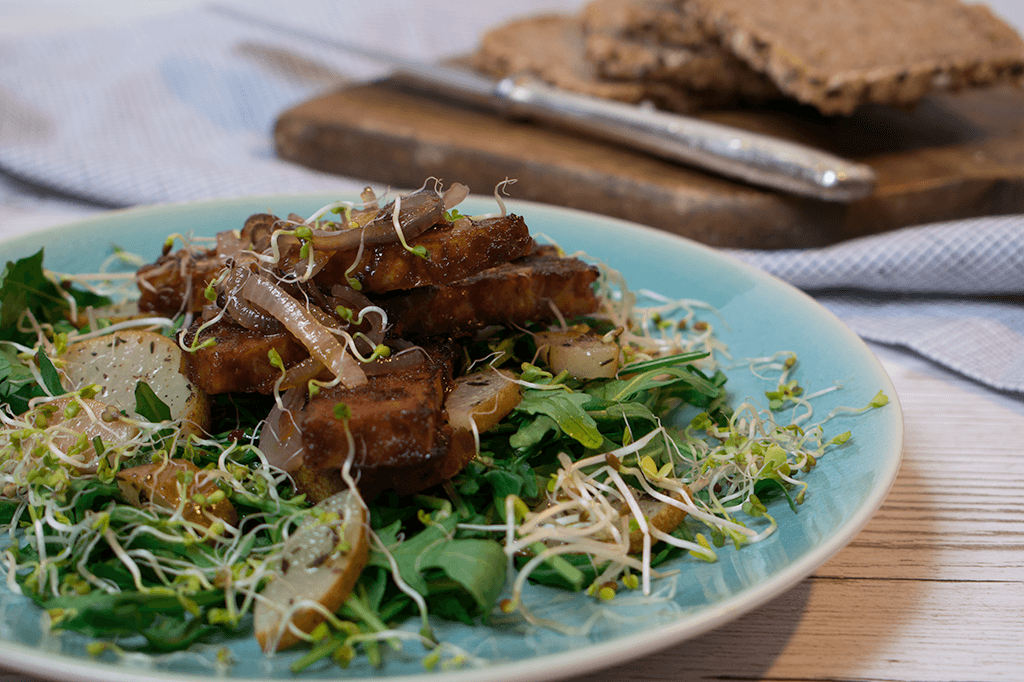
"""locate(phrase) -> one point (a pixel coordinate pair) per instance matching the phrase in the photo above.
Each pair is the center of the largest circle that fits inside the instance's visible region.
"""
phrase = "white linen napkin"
(182, 108)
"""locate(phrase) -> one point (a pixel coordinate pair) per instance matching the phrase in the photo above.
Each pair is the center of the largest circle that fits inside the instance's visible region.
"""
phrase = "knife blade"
(758, 159)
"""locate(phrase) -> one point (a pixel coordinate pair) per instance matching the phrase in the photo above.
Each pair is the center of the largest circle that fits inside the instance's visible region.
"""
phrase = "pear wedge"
(320, 562)
(117, 362)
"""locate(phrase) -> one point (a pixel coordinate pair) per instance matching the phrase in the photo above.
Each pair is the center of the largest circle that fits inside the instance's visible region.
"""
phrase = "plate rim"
(545, 667)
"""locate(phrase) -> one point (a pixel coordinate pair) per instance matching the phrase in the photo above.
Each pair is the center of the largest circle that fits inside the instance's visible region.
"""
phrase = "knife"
(758, 159)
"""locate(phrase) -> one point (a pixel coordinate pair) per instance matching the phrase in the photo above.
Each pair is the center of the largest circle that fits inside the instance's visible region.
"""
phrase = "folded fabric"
(977, 256)
(182, 107)
(953, 292)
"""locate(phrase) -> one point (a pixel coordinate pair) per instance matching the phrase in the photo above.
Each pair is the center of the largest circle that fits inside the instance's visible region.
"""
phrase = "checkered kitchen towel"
(182, 107)
(953, 292)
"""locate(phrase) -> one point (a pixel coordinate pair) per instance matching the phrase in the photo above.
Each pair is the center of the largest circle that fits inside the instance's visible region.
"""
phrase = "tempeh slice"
(238, 361)
(398, 429)
(454, 251)
(530, 289)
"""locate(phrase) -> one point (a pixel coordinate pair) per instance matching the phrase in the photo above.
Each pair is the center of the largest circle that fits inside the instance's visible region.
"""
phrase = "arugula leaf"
(100, 614)
(767, 489)
(148, 404)
(477, 565)
(449, 601)
(532, 433)
(407, 552)
(618, 413)
(567, 409)
(503, 483)
(49, 373)
(17, 384)
(25, 286)
(174, 634)
(89, 496)
(8, 508)
(623, 390)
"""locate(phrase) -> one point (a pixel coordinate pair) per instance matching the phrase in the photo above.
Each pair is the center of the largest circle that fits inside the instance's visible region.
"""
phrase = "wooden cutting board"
(953, 156)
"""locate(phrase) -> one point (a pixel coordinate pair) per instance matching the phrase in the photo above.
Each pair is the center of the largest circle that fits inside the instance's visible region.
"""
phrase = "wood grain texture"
(951, 157)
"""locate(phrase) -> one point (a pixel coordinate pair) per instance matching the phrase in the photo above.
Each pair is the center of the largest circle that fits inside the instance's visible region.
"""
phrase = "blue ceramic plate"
(763, 316)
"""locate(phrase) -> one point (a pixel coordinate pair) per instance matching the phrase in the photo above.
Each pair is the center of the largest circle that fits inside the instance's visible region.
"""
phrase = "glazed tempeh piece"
(454, 251)
(238, 361)
(527, 290)
(399, 430)
(176, 282)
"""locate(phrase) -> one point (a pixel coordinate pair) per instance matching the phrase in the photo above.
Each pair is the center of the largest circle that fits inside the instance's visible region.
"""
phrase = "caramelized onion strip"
(317, 339)
(302, 373)
(454, 195)
(362, 307)
(246, 315)
(418, 213)
(280, 437)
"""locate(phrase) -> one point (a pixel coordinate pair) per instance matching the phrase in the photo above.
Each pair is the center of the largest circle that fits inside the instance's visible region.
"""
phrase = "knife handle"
(758, 159)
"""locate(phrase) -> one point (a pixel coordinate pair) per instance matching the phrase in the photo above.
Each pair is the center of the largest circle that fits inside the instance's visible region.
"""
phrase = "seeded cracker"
(655, 40)
(838, 54)
(551, 48)
(654, 21)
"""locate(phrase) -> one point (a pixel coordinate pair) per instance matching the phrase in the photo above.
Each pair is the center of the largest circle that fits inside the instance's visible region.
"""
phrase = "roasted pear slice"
(162, 484)
(320, 563)
(117, 362)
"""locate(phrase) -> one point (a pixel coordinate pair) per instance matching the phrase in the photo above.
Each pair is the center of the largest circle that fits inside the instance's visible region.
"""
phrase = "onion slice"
(419, 212)
(280, 437)
(317, 338)
(454, 195)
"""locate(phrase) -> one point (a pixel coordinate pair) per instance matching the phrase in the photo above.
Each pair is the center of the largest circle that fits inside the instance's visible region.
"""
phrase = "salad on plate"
(331, 432)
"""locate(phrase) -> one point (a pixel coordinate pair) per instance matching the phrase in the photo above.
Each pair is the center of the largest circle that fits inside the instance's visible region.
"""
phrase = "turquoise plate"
(763, 315)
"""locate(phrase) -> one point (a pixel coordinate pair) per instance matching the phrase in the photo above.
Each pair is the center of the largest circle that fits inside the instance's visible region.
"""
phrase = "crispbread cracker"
(656, 41)
(840, 54)
(658, 21)
(551, 48)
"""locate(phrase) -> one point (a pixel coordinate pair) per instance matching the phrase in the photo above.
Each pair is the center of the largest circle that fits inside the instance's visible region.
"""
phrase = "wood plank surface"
(953, 156)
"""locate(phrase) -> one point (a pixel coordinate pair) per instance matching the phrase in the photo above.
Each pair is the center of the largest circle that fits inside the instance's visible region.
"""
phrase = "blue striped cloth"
(952, 292)
(182, 108)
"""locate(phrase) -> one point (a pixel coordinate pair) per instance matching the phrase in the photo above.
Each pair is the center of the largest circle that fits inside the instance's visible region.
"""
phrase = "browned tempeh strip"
(238, 362)
(396, 417)
(526, 290)
(176, 282)
(454, 251)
